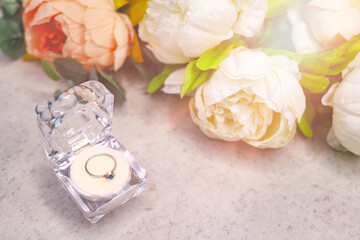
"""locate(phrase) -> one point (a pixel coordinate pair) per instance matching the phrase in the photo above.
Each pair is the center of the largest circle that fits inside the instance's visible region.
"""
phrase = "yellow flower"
(89, 31)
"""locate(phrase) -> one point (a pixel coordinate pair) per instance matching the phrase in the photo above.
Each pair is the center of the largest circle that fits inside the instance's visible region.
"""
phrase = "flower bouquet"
(255, 70)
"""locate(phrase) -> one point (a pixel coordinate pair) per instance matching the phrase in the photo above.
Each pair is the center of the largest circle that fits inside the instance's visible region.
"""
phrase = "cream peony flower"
(179, 30)
(251, 97)
(345, 99)
(88, 31)
(323, 24)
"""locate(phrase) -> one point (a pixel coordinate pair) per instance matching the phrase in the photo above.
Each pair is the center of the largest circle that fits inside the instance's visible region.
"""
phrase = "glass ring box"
(94, 168)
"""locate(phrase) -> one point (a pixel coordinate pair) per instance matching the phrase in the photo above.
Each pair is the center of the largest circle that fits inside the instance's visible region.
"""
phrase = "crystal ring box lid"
(94, 168)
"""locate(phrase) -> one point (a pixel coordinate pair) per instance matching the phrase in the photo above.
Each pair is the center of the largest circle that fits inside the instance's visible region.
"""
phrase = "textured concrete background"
(198, 188)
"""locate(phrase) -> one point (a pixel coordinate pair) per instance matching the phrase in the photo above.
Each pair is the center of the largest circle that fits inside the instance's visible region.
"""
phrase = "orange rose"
(90, 31)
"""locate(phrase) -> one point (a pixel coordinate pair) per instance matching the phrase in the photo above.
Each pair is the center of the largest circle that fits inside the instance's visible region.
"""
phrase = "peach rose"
(89, 31)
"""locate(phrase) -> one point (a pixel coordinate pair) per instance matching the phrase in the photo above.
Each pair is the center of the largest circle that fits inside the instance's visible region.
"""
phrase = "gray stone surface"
(198, 188)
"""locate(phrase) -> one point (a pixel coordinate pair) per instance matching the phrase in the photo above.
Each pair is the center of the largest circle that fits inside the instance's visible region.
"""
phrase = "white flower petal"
(251, 17)
(334, 5)
(288, 73)
(334, 142)
(295, 14)
(221, 87)
(241, 63)
(324, 24)
(303, 40)
(162, 35)
(348, 23)
(206, 24)
(295, 98)
(345, 99)
(351, 66)
(180, 30)
(328, 98)
(174, 81)
(287, 64)
(277, 136)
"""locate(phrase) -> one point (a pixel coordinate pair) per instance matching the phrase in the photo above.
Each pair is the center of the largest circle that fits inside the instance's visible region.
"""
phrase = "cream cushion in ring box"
(89, 185)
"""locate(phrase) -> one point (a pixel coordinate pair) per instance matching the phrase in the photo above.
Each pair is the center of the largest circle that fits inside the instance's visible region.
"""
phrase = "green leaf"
(331, 62)
(159, 80)
(306, 120)
(93, 75)
(278, 7)
(50, 70)
(305, 127)
(314, 83)
(337, 68)
(212, 58)
(111, 79)
(194, 77)
(18, 50)
(57, 92)
(9, 30)
(70, 82)
(202, 77)
(11, 39)
(292, 55)
(71, 69)
(147, 69)
(10, 6)
(314, 66)
(191, 73)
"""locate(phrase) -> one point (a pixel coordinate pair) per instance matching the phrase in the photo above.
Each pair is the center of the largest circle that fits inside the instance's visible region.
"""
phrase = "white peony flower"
(324, 24)
(251, 97)
(344, 97)
(179, 30)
